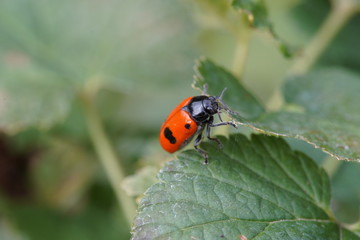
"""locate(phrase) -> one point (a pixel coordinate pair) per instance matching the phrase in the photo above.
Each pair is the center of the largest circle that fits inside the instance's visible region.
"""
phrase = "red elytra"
(178, 129)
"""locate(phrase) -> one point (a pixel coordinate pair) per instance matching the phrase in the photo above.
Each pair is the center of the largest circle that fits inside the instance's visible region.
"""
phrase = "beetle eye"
(211, 106)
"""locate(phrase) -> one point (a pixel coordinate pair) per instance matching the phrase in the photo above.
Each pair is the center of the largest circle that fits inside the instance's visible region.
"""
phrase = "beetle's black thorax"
(201, 108)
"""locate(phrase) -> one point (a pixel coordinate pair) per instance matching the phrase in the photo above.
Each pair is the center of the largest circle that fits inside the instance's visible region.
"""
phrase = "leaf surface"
(50, 50)
(32, 97)
(256, 188)
(329, 113)
(322, 108)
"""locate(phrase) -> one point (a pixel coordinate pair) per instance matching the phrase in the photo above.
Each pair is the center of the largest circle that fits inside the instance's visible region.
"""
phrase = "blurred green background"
(140, 56)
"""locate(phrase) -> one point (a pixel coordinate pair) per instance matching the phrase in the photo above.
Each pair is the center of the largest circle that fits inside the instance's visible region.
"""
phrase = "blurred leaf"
(82, 40)
(320, 103)
(73, 127)
(217, 79)
(341, 50)
(328, 92)
(331, 113)
(346, 200)
(29, 96)
(42, 223)
(257, 188)
(309, 14)
(62, 174)
(257, 14)
(136, 184)
(49, 50)
(256, 11)
(220, 15)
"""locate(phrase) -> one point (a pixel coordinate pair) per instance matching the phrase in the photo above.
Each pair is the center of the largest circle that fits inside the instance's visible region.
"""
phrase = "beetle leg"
(222, 124)
(219, 115)
(208, 129)
(201, 151)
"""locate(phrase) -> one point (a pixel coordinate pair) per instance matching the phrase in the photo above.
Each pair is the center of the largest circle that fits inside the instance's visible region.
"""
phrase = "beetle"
(190, 118)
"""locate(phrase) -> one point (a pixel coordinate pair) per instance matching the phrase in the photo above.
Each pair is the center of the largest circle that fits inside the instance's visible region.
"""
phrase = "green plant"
(84, 86)
(259, 188)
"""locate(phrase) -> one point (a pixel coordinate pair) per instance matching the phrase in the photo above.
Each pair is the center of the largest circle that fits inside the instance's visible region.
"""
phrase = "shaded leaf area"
(257, 188)
(309, 15)
(341, 51)
(322, 108)
(346, 194)
(42, 223)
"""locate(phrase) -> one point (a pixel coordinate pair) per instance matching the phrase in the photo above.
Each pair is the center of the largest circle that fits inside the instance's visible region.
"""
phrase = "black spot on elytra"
(169, 136)
(187, 126)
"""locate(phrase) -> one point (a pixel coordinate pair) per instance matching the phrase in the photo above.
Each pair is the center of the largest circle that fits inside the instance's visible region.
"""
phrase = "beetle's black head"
(211, 105)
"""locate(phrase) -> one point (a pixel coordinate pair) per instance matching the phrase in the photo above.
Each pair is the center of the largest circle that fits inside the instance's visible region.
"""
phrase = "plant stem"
(340, 13)
(241, 53)
(242, 37)
(107, 156)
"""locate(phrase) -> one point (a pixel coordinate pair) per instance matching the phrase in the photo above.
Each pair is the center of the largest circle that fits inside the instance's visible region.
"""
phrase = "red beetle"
(190, 118)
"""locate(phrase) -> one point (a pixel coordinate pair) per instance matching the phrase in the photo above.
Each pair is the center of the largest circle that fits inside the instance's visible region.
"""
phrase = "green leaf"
(257, 188)
(82, 40)
(309, 14)
(135, 185)
(341, 50)
(217, 79)
(88, 223)
(54, 48)
(331, 112)
(346, 195)
(32, 97)
(318, 105)
(255, 9)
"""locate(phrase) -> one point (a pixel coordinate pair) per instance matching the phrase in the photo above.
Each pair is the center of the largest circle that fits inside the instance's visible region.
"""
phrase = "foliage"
(256, 188)
(85, 86)
(315, 113)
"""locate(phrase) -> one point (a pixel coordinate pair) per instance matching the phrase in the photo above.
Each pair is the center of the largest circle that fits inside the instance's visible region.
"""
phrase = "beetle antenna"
(222, 94)
(224, 106)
